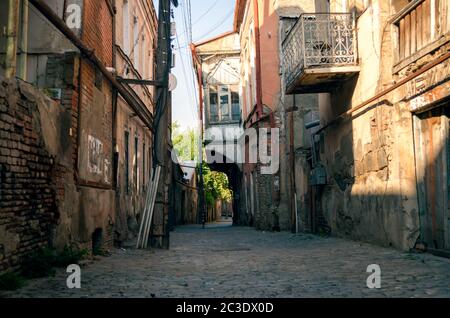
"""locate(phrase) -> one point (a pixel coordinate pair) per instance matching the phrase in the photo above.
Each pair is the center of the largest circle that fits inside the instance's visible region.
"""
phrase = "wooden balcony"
(319, 50)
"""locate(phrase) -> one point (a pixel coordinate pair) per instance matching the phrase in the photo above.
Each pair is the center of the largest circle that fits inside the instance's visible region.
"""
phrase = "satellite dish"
(173, 82)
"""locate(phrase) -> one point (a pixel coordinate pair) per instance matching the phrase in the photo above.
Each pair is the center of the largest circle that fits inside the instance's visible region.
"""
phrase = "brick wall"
(95, 119)
(27, 192)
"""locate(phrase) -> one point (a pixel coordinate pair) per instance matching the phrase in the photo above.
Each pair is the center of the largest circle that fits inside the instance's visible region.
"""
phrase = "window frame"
(231, 88)
(127, 160)
(136, 43)
(126, 27)
(437, 36)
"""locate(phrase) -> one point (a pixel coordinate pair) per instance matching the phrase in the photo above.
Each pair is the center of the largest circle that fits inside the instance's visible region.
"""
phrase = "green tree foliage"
(217, 186)
(185, 143)
(216, 183)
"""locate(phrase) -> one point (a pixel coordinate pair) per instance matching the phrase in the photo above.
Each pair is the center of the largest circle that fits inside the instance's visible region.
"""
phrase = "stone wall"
(28, 212)
(371, 193)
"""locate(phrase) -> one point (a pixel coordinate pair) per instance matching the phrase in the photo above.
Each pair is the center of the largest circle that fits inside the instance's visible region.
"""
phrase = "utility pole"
(160, 231)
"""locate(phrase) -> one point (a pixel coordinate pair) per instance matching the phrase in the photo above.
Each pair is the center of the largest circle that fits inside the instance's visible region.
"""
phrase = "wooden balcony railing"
(417, 26)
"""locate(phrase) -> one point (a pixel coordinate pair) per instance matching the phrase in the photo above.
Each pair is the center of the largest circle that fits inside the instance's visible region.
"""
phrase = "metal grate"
(318, 40)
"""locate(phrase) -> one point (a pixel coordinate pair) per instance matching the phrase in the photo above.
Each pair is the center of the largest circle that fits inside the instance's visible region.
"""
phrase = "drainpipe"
(312, 188)
(259, 102)
(115, 150)
(294, 216)
(11, 41)
(22, 67)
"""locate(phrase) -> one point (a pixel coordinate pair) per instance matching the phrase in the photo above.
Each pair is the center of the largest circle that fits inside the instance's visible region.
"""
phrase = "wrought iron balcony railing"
(319, 40)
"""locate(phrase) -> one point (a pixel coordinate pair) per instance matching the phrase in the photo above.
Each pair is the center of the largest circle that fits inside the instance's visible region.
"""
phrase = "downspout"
(115, 150)
(79, 106)
(11, 41)
(294, 214)
(312, 188)
(22, 68)
(259, 101)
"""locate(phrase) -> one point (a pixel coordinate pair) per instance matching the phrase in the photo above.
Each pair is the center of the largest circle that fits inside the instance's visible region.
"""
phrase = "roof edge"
(215, 38)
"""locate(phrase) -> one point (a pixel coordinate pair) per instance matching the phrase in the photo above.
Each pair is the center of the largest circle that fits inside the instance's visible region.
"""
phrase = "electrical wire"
(216, 26)
(185, 12)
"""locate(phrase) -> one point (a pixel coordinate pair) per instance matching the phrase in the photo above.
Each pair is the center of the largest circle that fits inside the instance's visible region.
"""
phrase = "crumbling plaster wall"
(371, 195)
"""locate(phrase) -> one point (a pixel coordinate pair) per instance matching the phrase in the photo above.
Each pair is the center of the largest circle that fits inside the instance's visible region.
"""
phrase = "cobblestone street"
(225, 261)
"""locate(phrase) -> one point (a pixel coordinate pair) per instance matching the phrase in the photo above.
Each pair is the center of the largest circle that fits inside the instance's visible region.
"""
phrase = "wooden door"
(432, 164)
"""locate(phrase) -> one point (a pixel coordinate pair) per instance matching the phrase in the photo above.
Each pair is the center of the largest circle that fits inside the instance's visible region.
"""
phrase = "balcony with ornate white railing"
(319, 49)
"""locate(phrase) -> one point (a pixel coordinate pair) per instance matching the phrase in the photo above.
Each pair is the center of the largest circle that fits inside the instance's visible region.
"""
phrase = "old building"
(135, 49)
(381, 151)
(270, 200)
(217, 65)
(184, 208)
(358, 91)
(76, 137)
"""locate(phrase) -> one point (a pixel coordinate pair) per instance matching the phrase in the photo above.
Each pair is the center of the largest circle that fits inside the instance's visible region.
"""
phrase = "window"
(417, 25)
(144, 58)
(136, 163)
(98, 80)
(224, 105)
(144, 157)
(126, 27)
(213, 102)
(127, 161)
(136, 50)
(248, 94)
(235, 106)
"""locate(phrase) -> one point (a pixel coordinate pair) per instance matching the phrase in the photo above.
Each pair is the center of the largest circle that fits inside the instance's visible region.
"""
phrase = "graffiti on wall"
(95, 155)
(97, 164)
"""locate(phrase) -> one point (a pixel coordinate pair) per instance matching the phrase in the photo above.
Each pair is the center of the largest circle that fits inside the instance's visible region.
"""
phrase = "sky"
(209, 18)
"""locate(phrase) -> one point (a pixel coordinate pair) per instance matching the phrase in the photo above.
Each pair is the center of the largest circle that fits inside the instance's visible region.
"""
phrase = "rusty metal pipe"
(388, 90)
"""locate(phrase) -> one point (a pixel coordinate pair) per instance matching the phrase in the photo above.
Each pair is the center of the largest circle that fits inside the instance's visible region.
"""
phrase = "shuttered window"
(418, 25)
